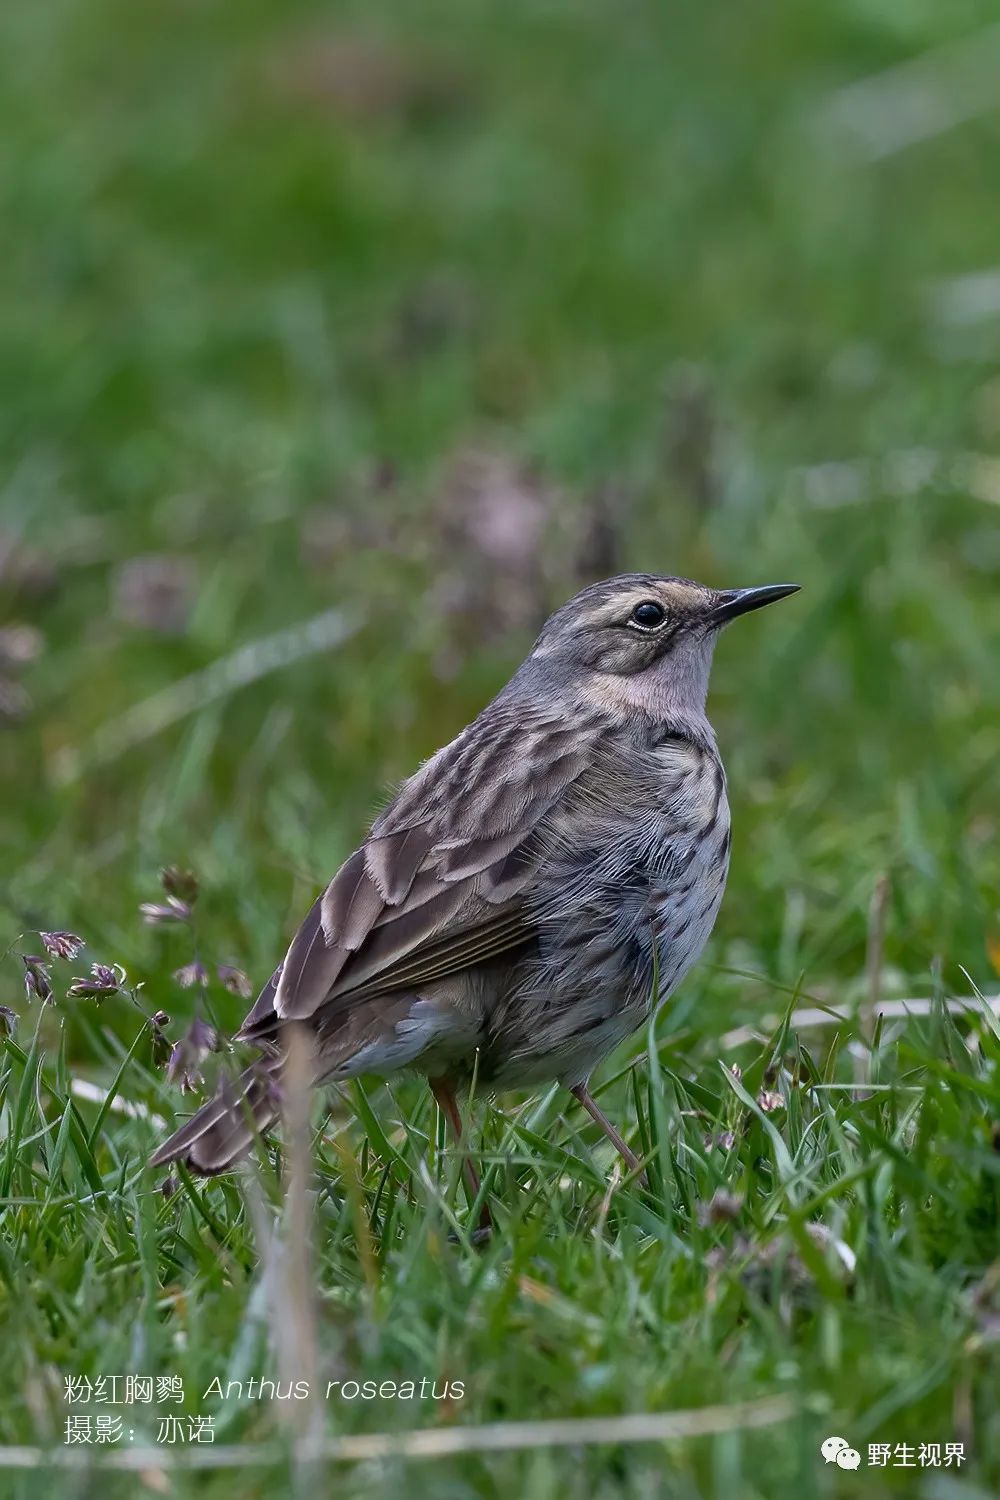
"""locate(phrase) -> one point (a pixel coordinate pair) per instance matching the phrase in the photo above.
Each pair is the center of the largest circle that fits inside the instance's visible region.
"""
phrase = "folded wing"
(440, 881)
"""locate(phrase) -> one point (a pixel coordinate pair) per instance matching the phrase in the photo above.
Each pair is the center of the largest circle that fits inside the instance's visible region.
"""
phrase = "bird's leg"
(595, 1112)
(448, 1104)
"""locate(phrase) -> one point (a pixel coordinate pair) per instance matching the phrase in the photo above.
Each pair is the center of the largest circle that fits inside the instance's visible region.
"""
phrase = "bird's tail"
(224, 1129)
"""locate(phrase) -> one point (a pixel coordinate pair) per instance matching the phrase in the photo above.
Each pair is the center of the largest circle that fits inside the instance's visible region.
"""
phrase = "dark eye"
(649, 614)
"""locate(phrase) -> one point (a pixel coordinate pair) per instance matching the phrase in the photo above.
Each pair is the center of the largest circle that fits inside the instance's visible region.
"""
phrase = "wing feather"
(262, 1013)
(306, 971)
(394, 860)
(439, 883)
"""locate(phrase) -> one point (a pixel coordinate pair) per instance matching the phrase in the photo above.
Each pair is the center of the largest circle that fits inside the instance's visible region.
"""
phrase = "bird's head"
(642, 639)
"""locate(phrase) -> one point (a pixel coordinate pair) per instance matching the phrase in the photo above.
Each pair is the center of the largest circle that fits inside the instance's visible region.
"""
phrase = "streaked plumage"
(509, 911)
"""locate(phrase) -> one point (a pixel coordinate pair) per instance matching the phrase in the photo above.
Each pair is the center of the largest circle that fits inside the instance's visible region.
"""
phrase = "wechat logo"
(837, 1450)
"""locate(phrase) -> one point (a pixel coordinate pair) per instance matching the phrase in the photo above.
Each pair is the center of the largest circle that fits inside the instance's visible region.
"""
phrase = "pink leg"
(448, 1104)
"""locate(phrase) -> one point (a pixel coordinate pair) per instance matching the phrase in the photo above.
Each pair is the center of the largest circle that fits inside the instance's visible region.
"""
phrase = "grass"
(380, 332)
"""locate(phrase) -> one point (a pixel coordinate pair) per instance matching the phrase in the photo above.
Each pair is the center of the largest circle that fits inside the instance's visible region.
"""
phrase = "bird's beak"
(733, 602)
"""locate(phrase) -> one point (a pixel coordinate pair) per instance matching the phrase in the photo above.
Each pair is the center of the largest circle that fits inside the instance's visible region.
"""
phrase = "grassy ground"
(421, 319)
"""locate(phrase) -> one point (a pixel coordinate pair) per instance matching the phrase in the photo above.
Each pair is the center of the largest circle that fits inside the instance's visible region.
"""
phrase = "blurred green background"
(379, 330)
(430, 316)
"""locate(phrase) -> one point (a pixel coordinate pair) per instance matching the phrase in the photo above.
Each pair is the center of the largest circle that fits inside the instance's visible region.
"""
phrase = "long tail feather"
(222, 1131)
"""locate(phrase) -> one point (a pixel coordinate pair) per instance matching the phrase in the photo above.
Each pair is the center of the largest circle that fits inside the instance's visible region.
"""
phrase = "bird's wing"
(438, 884)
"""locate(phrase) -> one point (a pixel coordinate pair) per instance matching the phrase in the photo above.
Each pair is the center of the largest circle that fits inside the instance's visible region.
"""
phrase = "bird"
(530, 893)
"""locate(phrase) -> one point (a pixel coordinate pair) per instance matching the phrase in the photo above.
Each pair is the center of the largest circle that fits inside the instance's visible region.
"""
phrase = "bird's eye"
(649, 614)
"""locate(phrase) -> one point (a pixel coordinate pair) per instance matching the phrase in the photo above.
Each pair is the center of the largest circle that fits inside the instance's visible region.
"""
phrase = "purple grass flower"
(235, 981)
(62, 944)
(179, 883)
(37, 979)
(156, 913)
(103, 980)
(184, 1064)
(191, 974)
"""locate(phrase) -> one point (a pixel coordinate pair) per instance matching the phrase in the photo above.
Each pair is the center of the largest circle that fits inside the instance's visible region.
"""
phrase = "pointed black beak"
(733, 602)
